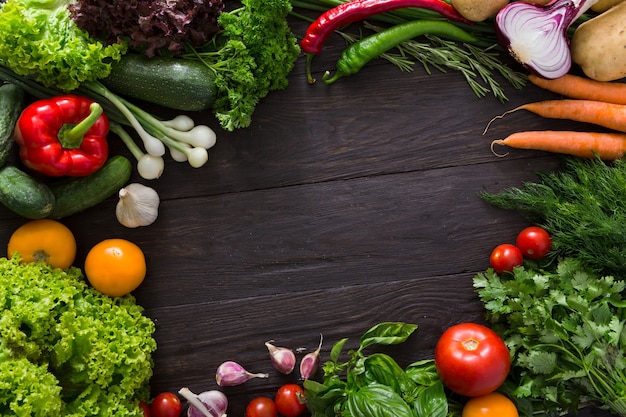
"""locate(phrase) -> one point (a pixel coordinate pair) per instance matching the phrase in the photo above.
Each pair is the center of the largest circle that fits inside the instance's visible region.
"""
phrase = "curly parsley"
(251, 56)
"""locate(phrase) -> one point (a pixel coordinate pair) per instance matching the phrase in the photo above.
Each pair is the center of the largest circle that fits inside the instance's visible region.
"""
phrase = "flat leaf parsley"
(565, 329)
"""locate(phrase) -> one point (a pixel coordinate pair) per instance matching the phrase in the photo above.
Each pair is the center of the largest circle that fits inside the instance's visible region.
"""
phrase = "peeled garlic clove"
(138, 205)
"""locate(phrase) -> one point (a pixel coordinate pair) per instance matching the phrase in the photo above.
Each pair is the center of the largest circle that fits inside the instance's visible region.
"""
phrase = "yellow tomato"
(115, 267)
(44, 240)
(490, 405)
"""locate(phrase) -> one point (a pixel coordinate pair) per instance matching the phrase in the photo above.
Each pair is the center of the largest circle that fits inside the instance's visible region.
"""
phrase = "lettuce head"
(66, 350)
(39, 39)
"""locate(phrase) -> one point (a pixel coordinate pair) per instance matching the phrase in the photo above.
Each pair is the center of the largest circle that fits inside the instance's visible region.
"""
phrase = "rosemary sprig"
(476, 64)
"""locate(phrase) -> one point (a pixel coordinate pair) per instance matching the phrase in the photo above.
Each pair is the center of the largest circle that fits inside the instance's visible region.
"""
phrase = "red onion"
(206, 404)
(536, 36)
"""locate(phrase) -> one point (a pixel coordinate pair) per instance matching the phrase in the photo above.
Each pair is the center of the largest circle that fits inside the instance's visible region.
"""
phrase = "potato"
(604, 5)
(599, 45)
(478, 10)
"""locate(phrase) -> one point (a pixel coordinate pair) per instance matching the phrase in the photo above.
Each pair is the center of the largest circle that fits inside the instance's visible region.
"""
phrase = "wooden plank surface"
(340, 207)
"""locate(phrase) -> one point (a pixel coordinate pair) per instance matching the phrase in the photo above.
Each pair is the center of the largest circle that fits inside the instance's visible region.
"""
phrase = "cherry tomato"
(471, 359)
(166, 404)
(145, 408)
(44, 240)
(490, 405)
(115, 267)
(261, 407)
(290, 400)
(505, 257)
(534, 242)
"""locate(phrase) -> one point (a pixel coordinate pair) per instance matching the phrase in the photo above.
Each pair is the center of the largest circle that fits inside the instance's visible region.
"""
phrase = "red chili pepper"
(355, 10)
(63, 136)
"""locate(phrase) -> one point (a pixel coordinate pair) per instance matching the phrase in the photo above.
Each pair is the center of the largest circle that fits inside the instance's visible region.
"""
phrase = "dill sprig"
(582, 205)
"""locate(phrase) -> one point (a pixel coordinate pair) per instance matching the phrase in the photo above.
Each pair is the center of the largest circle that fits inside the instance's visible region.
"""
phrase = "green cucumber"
(24, 194)
(78, 194)
(12, 98)
(176, 83)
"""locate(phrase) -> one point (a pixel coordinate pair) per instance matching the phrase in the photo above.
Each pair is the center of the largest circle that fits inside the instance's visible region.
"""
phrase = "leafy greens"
(251, 56)
(154, 27)
(583, 206)
(376, 385)
(67, 350)
(565, 329)
(39, 39)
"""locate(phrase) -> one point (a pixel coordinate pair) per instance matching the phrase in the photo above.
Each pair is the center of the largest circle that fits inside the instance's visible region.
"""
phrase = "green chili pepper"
(360, 53)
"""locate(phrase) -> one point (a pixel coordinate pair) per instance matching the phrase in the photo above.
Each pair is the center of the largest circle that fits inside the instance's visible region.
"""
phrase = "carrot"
(607, 146)
(609, 115)
(583, 88)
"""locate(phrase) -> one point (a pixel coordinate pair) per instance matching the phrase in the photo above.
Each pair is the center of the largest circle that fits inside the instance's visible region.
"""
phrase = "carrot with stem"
(577, 87)
(606, 146)
(600, 113)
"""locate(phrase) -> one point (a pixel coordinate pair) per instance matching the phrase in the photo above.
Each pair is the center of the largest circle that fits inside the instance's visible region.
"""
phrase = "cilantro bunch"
(39, 39)
(566, 332)
(67, 350)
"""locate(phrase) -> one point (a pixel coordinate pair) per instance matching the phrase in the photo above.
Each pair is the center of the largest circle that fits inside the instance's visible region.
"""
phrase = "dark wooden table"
(341, 207)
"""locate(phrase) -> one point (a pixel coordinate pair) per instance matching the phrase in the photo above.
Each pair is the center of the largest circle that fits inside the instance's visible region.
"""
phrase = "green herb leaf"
(377, 400)
(388, 333)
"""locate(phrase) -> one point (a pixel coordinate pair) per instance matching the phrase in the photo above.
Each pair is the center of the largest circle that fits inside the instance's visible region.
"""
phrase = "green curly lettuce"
(66, 349)
(39, 39)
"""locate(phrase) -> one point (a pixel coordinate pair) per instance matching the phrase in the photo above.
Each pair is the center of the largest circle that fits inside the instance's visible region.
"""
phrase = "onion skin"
(536, 36)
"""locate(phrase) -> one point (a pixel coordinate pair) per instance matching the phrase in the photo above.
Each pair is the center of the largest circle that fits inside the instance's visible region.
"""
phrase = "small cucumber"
(12, 98)
(177, 83)
(77, 194)
(24, 194)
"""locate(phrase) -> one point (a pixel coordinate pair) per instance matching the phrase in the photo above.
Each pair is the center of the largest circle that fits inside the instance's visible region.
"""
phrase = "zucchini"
(12, 98)
(74, 195)
(24, 194)
(176, 83)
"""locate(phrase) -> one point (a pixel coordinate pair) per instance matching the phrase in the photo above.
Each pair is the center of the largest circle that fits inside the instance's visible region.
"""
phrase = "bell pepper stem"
(71, 135)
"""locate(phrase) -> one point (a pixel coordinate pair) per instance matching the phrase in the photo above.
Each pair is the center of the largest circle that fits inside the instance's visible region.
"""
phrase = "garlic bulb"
(138, 205)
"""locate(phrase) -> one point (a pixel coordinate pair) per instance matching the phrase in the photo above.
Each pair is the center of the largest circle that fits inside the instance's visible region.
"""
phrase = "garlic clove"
(283, 359)
(138, 205)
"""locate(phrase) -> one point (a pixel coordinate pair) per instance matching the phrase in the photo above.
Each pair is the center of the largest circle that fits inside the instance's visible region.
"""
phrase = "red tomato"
(471, 359)
(261, 407)
(145, 408)
(290, 400)
(534, 242)
(166, 404)
(505, 257)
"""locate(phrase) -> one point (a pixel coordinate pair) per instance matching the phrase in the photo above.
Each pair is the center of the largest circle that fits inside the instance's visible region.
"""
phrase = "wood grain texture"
(340, 207)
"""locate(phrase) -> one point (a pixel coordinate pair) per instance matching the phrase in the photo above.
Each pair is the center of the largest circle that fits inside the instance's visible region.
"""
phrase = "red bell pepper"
(63, 136)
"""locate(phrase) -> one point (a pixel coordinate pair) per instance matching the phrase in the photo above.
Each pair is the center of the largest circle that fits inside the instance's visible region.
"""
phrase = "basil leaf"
(323, 398)
(432, 402)
(377, 400)
(336, 350)
(387, 333)
(383, 369)
(423, 372)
